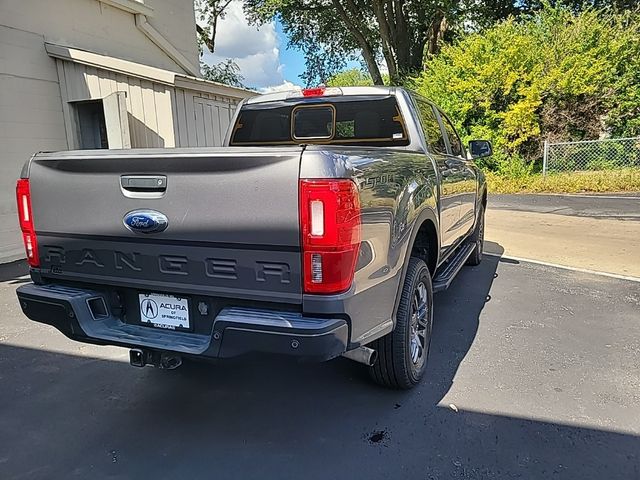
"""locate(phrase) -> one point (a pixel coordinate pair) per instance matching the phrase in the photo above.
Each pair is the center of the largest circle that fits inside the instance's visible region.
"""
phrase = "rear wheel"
(477, 237)
(402, 354)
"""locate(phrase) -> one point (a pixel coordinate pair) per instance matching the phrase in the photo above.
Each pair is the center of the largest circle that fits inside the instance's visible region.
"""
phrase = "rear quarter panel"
(397, 191)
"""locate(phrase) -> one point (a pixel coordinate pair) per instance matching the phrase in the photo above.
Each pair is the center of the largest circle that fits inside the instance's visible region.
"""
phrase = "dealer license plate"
(164, 311)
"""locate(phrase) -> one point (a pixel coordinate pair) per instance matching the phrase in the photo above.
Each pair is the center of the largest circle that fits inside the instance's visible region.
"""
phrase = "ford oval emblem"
(145, 221)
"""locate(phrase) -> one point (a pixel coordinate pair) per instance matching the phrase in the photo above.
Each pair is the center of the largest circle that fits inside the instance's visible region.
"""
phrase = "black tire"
(398, 365)
(477, 237)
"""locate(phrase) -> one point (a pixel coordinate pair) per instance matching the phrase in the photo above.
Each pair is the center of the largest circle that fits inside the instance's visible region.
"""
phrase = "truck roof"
(284, 95)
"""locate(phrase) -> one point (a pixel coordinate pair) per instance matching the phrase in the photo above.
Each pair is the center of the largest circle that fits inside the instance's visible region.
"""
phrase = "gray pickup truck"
(322, 228)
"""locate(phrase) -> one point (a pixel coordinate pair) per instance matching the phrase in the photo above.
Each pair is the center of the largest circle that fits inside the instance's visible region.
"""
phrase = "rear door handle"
(143, 186)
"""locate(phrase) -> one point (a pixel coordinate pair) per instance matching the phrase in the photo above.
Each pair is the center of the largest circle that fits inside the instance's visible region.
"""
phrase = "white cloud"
(255, 50)
(283, 87)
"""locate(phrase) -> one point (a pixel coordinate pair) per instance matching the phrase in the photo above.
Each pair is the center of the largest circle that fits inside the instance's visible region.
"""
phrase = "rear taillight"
(330, 228)
(25, 215)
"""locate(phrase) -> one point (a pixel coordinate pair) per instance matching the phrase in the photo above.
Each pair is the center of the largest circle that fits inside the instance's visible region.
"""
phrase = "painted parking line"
(565, 267)
(594, 196)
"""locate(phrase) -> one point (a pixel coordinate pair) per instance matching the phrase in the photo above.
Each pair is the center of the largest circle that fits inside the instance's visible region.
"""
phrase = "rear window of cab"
(369, 121)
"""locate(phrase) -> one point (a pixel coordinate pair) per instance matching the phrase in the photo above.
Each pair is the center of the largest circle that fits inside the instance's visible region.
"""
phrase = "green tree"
(208, 14)
(350, 78)
(226, 72)
(397, 32)
(401, 34)
(579, 5)
(557, 74)
(353, 78)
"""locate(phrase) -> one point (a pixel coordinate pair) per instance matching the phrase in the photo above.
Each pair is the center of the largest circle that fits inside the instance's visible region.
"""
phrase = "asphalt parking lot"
(534, 373)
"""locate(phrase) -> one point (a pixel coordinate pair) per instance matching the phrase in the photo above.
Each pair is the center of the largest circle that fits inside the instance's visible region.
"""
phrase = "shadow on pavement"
(12, 272)
(456, 320)
(64, 416)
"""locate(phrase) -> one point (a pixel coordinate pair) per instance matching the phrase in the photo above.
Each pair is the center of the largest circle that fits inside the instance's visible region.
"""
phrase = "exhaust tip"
(365, 355)
(373, 358)
(169, 361)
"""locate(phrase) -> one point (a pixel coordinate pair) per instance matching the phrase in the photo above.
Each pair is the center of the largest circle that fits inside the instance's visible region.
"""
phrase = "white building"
(99, 74)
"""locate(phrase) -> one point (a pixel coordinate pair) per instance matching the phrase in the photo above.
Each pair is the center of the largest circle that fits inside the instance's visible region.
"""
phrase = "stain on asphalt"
(397, 406)
(378, 436)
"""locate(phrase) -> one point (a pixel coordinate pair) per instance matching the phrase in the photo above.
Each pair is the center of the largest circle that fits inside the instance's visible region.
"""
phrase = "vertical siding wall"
(201, 119)
(30, 120)
(160, 115)
(149, 103)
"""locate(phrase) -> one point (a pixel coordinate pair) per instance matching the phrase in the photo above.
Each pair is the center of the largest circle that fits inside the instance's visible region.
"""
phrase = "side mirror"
(480, 148)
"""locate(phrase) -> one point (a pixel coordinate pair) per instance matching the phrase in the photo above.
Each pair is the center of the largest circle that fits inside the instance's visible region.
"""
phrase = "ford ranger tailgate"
(224, 222)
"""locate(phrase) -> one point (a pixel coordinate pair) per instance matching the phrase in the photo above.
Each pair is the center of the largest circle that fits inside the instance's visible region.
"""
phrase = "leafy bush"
(353, 77)
(556, 75)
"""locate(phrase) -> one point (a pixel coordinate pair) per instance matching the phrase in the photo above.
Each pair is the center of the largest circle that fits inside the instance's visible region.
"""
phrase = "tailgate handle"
(144, 182)
(143, 186)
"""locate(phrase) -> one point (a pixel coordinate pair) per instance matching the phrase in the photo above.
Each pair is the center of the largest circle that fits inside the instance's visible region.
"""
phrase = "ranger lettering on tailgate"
(224, 268)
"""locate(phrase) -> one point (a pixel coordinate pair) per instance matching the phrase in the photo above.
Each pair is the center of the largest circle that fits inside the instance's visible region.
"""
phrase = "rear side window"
(454, 139)
(371, 121)
(431, 128)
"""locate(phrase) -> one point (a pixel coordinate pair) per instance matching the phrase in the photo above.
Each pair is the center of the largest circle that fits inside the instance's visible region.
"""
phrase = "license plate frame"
(164, 311)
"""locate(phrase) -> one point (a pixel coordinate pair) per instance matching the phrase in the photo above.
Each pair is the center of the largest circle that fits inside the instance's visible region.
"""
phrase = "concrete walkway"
(610, 244)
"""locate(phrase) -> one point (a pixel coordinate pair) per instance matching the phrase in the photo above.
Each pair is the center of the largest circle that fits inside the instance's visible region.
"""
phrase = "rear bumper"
(235, 331)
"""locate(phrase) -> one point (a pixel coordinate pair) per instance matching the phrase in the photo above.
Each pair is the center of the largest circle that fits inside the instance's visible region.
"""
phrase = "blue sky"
(291, 59)
(261, 53)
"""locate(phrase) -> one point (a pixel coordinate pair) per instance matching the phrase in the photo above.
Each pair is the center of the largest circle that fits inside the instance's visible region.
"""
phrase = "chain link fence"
(605, 154)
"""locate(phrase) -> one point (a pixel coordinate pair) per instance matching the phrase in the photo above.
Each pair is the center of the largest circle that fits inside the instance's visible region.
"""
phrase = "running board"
(446, 273)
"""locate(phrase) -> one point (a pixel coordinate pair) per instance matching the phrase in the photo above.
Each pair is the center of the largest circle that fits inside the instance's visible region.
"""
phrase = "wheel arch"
(425, 245)
(425, 230)
(481, 201)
